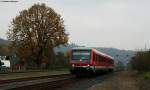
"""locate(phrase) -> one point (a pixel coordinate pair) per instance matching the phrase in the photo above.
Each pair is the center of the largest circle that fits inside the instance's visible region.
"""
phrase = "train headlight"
(88, 65)
(72, 65)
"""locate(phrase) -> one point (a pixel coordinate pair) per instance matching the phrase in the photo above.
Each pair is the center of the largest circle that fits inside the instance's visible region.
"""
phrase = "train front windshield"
(81, 55)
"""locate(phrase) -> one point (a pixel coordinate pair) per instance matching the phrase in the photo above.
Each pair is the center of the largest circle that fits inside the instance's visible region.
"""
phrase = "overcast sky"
(123, 24)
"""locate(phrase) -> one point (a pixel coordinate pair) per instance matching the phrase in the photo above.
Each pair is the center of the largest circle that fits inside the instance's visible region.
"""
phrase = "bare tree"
(36, 31)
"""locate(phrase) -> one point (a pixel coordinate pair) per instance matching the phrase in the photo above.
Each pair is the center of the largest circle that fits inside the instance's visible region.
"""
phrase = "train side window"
(102, 59)
(99, 58)
(94, 57)
(111, 61)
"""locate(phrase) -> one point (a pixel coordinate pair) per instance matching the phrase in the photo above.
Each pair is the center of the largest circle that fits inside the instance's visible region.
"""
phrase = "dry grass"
(121, 81)
(30, 74)
(144, 81)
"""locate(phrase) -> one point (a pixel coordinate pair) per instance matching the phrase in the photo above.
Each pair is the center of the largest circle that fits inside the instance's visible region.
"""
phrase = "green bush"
(147, 75)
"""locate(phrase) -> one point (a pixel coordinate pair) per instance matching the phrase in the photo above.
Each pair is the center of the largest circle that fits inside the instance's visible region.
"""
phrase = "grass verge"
(147, 75)
(32, 73)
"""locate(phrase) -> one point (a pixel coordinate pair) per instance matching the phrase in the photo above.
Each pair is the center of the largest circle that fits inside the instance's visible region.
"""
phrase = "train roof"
(103, 54)
(82, 48)
(89, 48)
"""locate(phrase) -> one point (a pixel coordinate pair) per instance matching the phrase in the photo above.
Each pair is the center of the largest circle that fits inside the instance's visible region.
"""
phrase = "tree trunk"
(39, 58)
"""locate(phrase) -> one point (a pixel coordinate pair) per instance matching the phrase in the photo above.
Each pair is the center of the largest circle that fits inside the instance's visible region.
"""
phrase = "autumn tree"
(141, 61)
(35, 32)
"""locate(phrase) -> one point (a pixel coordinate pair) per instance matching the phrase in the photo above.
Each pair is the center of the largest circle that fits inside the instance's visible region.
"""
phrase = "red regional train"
(83, 60)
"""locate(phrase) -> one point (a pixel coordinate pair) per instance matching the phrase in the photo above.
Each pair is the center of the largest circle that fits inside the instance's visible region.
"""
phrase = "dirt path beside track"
(124, 80)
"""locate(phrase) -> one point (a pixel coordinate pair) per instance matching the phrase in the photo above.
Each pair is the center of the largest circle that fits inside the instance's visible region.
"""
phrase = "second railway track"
(38, 83)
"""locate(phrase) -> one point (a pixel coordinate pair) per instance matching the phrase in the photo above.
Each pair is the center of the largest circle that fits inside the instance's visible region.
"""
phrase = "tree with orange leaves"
(36, 31)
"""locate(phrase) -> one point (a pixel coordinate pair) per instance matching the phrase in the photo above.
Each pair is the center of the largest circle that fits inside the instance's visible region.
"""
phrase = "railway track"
(37, 83)
(54, 82)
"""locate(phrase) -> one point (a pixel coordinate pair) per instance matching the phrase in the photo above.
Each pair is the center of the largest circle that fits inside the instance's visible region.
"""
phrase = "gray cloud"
(106, 23)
